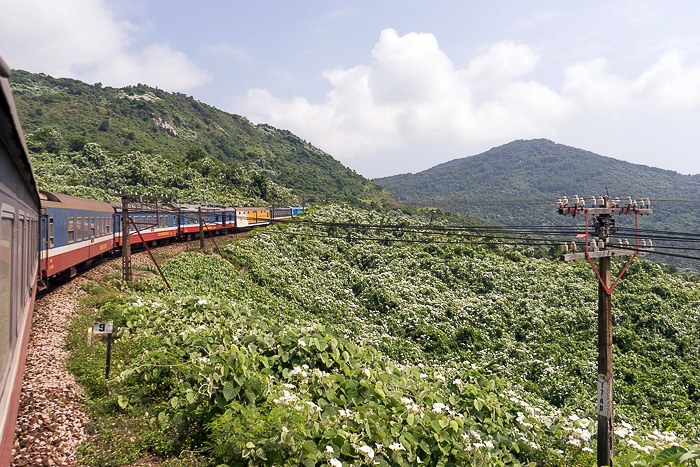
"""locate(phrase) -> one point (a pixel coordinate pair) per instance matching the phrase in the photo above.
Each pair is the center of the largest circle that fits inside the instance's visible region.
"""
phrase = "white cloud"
(83, 39)
(667, 86)
(156, 65)
(503, 63)
(412, 95)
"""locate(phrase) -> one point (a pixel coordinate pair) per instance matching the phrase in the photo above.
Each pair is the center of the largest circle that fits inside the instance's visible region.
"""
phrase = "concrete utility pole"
(201, 228)
(605, 368)
(601, 211)
(126, 241)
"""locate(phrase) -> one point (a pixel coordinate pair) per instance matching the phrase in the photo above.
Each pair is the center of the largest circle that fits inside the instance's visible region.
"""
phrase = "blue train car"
(19, 217)
(73, 232)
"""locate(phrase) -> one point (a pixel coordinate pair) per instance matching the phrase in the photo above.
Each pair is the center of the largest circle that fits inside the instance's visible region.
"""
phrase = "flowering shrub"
(334, 351)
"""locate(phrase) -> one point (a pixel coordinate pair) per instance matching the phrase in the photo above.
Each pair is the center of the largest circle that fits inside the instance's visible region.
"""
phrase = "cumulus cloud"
(412, 94)
(83, 39)
(668, 86)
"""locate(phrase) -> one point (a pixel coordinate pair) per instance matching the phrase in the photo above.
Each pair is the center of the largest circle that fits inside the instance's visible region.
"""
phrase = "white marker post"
(105, 328)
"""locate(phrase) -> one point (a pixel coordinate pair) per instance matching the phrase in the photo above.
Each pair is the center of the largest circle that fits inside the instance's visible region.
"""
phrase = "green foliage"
(92, 173)
(320, 351)
(529, 320)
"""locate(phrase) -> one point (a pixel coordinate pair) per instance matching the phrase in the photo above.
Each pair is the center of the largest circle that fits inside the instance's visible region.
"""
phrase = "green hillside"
(61, 116)
(531, 175)
(319, 348)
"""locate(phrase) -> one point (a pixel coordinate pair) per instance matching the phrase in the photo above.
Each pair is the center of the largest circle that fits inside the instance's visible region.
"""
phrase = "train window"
(86, 228)
(29, 252)
(92, 227)
(6, 247)
(71, 229)
(79, 228)
(108, 225)
(21, 265)
(50, 232)
(150, 221)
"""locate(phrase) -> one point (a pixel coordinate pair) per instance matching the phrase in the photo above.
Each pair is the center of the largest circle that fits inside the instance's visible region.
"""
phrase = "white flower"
(488, 444)
(202, 301)
(302, 343)
(457, 382)
(329, 448)
(369, 452)
(438, 407)
(367, 372)
(397, 447)
(440, 378)
(335, 463)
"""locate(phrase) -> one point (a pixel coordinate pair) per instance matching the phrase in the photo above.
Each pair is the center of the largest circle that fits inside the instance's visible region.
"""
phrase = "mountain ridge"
(531, 174)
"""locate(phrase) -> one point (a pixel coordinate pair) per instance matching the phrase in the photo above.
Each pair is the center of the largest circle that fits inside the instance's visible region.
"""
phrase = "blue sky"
(391, 87)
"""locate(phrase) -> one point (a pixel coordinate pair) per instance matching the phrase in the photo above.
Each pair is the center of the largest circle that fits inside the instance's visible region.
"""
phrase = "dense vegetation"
(91, 173)
(63, 115)
(531, 175)
(318, 348)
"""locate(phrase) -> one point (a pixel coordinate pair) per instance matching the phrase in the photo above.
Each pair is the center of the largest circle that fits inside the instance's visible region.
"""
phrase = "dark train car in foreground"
(19, 217)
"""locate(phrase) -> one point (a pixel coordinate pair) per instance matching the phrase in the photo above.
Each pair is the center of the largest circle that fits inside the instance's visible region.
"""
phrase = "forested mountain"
(531, 175)
(61, 116)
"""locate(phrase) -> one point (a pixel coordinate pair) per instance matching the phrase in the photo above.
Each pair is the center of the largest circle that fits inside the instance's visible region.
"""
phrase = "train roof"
(59, 200)
(12, 136)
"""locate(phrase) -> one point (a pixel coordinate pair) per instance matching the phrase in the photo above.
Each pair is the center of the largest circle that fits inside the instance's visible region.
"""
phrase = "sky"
(390, 87)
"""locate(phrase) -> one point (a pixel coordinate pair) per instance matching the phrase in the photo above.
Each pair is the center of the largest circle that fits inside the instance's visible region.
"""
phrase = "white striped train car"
(74, 231)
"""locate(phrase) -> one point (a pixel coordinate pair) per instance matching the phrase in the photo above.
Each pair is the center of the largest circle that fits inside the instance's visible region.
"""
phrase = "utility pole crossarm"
(605, 254)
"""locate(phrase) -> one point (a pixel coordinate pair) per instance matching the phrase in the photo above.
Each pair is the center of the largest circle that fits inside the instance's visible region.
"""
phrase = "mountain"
(63, 115)
(531, 175)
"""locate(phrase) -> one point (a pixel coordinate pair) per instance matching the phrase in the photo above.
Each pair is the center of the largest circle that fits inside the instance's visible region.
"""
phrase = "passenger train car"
(44, 234)
(19, 228)
(76, 231)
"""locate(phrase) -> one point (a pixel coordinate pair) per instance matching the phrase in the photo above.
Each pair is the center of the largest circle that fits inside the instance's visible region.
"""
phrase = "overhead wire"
(549, 236)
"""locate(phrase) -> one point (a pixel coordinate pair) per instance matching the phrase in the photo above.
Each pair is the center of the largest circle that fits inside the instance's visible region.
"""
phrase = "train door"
(44, 245)
(7, 284)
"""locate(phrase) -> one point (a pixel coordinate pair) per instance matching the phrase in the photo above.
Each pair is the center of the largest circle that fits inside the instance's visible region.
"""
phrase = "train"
(74, 232)
(44, 235)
